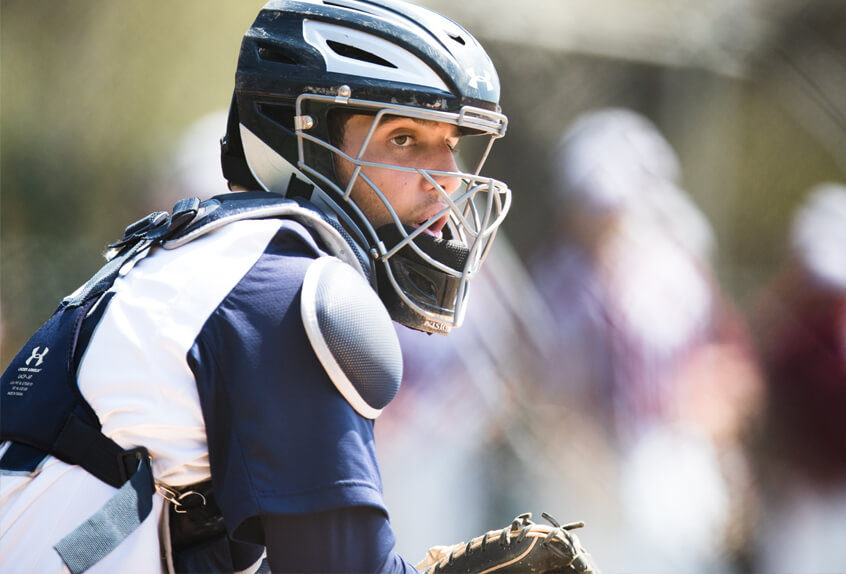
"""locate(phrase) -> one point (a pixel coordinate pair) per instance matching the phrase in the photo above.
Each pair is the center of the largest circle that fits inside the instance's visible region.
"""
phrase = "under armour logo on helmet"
(36, 356)
(475, 79)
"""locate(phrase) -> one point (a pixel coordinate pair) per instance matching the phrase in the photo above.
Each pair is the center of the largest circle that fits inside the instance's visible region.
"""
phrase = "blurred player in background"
(648, 352)
(192, 168)
(800, 322)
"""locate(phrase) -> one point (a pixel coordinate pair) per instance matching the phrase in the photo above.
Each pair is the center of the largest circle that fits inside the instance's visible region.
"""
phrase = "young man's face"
(404, 142)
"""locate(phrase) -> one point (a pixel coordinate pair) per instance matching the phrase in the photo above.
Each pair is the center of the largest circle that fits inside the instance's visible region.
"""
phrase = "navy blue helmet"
(301, 62)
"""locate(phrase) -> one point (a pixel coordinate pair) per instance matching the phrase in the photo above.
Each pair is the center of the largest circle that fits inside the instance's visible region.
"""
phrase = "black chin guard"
(429, 288)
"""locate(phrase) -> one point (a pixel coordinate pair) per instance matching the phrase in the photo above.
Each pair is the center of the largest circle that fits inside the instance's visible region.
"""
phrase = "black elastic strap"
(81, 444)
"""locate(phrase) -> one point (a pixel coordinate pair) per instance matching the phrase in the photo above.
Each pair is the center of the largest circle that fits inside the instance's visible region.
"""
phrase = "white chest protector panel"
(352, 335)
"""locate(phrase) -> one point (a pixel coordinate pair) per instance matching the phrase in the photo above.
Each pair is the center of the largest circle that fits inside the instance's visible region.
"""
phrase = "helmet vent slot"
(273, 54)
(457, 38)
(354, 53)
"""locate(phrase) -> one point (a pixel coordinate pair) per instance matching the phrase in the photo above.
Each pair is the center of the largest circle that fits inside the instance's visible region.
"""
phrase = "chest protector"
(42, 378)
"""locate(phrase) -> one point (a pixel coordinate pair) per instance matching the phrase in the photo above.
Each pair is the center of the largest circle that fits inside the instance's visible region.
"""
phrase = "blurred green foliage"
(94, 93)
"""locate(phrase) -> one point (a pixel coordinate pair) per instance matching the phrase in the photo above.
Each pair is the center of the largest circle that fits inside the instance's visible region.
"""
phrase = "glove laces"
(517, 531)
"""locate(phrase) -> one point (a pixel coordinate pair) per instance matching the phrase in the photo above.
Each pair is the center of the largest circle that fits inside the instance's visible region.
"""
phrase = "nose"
(444, 160)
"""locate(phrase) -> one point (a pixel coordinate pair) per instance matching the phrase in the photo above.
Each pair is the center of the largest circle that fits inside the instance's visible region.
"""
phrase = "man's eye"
(403, 140)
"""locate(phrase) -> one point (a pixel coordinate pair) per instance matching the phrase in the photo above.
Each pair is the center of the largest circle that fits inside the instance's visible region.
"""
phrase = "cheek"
(368, 201)
(343, 171)
(398, 187)
(404, 191)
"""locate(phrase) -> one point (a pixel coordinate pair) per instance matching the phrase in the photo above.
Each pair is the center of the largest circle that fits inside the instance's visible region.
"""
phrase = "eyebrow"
(427, 123)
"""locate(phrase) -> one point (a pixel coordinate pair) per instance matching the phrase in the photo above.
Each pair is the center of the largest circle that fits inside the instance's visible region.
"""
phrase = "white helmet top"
(818, 235)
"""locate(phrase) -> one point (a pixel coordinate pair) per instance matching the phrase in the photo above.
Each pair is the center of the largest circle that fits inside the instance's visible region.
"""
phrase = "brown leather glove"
(521, 547)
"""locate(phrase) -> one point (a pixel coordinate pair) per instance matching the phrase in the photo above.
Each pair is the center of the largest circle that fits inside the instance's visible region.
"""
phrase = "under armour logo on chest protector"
(36, 356)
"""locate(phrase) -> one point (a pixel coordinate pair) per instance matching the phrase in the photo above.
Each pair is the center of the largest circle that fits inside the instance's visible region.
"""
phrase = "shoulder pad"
(352, 335)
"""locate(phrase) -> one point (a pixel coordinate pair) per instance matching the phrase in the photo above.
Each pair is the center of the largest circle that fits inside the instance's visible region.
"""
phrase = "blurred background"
(657, 346)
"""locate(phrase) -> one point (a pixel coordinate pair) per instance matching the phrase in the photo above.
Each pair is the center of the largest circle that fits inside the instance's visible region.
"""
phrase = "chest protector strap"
(43, 409)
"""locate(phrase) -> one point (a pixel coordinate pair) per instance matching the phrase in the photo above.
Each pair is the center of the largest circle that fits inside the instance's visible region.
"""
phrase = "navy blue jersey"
(281, 437)
(202, 357)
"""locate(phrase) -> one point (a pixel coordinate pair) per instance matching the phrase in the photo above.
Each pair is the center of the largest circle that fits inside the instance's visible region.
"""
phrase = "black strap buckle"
(159, 225)
(141, 228)
(184, 212)
(129, 461)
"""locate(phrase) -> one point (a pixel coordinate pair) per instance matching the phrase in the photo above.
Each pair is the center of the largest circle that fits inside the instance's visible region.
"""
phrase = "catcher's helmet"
(303, 60)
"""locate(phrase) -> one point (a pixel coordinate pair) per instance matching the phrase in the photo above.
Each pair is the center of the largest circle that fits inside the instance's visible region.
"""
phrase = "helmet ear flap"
(232, 159)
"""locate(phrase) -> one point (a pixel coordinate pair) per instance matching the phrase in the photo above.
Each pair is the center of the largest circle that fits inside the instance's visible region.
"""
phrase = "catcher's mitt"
(521, 547)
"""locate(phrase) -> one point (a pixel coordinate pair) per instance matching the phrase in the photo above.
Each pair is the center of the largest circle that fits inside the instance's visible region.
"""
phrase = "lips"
(436, 228)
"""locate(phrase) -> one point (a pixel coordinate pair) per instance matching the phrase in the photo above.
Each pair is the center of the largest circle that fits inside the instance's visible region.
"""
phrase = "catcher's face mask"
(429, 222)
(303, 60)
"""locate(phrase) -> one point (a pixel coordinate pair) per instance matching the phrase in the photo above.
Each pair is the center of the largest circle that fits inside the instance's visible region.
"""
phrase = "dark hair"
(338, 119)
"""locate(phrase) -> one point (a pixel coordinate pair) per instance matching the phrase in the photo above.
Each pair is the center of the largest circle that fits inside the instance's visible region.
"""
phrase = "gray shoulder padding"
(352, 335)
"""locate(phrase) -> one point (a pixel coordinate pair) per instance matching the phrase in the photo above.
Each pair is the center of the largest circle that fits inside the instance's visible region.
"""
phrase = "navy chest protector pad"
(43, 409)
(352, 335)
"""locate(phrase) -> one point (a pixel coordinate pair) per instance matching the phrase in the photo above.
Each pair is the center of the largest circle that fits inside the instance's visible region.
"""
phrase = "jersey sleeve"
(357, 539)
(281, 438)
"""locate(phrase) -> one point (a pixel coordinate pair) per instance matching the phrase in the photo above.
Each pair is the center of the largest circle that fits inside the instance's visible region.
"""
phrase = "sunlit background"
(97, 97)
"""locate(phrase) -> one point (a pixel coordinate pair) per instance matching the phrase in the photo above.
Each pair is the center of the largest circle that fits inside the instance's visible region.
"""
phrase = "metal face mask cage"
(475, 209)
